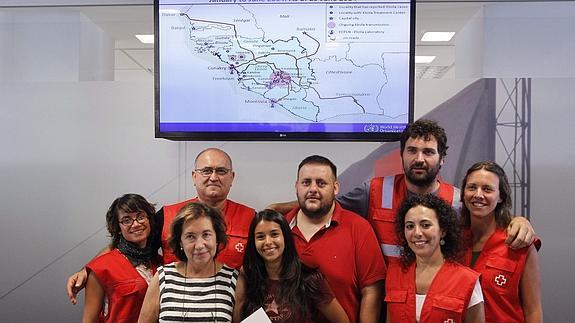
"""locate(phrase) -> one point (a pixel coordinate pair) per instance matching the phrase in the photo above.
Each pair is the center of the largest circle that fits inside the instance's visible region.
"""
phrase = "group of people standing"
(326, 256)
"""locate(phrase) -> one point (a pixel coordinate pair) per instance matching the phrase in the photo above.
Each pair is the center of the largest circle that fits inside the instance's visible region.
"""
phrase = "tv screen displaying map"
(283, 69)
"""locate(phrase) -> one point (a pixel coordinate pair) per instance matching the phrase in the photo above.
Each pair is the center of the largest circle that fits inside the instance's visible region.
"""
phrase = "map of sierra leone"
(284, 63)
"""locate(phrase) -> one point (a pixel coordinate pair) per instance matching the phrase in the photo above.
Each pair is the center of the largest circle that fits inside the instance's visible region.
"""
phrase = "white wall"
(552, 192)
(537, 40)
(70, 148)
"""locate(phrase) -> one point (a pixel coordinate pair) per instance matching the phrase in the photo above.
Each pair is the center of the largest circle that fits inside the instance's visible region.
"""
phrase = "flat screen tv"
(283, 70)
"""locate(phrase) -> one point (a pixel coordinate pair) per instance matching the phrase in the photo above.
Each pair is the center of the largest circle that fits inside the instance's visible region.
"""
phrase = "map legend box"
(367, 22)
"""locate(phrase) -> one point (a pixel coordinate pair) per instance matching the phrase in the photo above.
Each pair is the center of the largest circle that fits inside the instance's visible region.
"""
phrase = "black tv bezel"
(279, 136)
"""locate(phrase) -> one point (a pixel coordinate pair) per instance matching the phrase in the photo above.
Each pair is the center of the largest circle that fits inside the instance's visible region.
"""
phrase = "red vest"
(385, 196)
(447, 298)
(238, 218)
(501, 269)
(125, 288)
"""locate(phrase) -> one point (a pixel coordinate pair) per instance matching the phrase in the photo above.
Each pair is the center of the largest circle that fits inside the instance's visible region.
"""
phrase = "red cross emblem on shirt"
(449, 321)
(239, 247)
(500, 280)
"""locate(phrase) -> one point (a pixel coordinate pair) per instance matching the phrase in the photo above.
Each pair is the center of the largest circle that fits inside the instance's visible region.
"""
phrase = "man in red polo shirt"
(341, 244)
(213, 176)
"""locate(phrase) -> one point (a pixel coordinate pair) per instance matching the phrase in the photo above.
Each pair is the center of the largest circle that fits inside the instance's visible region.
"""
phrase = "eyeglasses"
(208, 171)
(127, 221)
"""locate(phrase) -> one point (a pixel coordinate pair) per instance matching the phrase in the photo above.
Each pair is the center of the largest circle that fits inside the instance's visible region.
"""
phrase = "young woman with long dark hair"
(277, 281)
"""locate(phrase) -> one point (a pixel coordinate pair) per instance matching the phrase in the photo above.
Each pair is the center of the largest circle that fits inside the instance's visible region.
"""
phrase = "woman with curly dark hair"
(509, 277)
(277, 281)
(118, 280)
(427, 284)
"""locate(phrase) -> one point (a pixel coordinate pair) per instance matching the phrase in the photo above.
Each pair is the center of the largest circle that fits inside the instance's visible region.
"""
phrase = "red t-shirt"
(346, 252)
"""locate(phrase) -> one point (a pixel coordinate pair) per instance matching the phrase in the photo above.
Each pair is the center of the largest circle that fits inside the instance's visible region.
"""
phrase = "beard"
(323, 209)
(424, 180)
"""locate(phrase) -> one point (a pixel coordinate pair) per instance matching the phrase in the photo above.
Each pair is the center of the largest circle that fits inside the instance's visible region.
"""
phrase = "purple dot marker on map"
(331, 24)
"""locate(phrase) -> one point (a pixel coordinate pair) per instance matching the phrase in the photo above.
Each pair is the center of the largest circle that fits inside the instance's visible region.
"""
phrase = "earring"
(442, 242)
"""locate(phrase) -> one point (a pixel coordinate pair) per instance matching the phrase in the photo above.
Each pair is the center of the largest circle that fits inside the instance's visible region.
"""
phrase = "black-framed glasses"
(128, 221)
(208, 171)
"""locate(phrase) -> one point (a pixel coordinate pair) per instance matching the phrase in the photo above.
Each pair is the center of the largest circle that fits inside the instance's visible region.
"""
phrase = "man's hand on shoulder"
(283, 208)
(76, 283)
(520, 233)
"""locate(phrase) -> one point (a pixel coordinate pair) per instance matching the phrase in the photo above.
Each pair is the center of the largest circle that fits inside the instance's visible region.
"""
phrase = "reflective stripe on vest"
(390, 250)
(388, 188)
(387, 192)
(456, 202)
(387, 196)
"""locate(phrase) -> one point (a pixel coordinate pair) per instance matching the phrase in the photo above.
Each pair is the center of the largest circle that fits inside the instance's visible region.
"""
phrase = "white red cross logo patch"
(239, 247)
(500, 280)
(449, 321)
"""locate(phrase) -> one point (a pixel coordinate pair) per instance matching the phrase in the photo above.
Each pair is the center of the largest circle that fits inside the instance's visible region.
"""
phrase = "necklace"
(185, 309)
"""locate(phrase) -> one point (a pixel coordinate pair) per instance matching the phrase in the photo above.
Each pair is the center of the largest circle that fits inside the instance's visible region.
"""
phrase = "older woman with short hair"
(197, 288)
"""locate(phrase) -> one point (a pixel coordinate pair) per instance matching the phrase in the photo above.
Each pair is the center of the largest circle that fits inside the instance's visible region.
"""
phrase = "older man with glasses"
(213, 176)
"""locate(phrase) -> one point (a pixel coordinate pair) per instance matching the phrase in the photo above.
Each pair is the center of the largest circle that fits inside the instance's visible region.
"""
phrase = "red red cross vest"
(447, 298)
(385, 196)
(238, 218)
(501, 269)
(125, 288)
